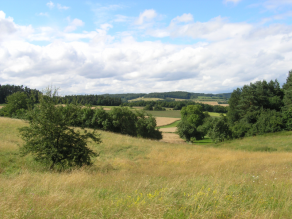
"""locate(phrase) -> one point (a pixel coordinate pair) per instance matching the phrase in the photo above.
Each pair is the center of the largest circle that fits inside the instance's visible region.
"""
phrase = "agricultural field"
(140, 178)
(167, 113)
(145, 99)
(210, 101)
(163, 121)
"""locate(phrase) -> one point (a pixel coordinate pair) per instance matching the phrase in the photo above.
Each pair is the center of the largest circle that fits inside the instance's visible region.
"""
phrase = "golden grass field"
(139, 178)
(161, 121)
(213, 103)
(169, 130)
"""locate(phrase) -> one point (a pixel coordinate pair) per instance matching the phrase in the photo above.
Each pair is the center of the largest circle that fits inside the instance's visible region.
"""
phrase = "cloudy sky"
(130, 46)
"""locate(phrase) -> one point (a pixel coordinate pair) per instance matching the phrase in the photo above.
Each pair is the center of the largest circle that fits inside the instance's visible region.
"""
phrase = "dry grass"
(162, 121)
(172, 138)
(213, 103)
(172, 129)
(139, 178)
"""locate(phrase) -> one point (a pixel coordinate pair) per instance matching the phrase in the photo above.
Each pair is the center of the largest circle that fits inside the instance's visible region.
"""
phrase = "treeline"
(176, 105)
(254, 109)
(6, 90)
(98, 100)
(125, 97)
(119, 119)
(168, 95)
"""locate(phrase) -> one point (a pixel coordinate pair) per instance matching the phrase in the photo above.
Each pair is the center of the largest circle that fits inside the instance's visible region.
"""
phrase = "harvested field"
(213, 103)
(162, 121)
(172, 138)
(172, 129)
(145, 99)
(1, 107)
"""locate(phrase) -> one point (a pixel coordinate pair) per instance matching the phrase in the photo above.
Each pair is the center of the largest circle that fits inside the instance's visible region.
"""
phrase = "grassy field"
(174, 124)
(138, 178)
(167, 113)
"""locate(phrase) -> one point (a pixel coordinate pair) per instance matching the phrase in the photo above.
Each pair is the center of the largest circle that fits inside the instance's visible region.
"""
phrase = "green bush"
(17, 104)
(192, 117)
(50, 139)
(146, 126)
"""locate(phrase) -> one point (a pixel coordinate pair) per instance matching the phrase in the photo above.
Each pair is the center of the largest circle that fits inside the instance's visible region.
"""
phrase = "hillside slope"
(138, 178)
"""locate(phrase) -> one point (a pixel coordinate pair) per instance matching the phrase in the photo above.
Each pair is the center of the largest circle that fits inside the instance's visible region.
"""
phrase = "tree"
(219, 130)
(50, 139)
(287, 87)
(146, 126)
(192, 117)
(16, 103)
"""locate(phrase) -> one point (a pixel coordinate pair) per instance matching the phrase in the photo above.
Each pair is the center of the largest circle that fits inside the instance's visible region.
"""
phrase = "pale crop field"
(162, 121)
(139, 178)
(145, 99)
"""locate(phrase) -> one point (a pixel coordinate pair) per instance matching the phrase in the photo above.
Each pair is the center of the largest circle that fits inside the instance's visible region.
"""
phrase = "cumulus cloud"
(214, 30)
(73, 24)
(145, 16)
(236, 54)
(183, 18)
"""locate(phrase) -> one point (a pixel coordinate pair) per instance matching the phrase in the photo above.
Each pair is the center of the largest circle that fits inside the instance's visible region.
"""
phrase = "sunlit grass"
(139, 178)
(174, 124)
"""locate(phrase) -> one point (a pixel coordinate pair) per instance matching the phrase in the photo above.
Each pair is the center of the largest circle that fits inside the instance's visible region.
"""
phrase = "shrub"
(17, 103)
(50, 139)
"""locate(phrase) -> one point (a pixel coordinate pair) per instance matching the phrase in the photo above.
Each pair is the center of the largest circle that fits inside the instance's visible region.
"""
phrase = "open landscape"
(146, 109)
(140, 178)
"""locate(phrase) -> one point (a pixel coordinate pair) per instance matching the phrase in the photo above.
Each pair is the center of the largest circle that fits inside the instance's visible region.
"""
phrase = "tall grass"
(139, 178)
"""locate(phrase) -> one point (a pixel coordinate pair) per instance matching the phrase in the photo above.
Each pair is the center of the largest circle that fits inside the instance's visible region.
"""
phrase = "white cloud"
(183, 18)
(73, 25)
(145, 16)
(214, 30)
(50, 4)
(238, 54)
(106, 26)
(60, 7)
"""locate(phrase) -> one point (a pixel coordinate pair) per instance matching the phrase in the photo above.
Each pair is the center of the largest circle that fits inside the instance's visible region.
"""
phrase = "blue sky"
(128, 46)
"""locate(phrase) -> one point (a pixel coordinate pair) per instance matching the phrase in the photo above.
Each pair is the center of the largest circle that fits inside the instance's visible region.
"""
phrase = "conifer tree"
(288, 92)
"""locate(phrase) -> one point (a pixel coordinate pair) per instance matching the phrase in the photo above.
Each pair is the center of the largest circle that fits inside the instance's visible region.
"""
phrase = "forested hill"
(114, 99)
(172, 94)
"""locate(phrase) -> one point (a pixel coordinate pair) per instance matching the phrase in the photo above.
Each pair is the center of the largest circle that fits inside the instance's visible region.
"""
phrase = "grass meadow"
(139, 178)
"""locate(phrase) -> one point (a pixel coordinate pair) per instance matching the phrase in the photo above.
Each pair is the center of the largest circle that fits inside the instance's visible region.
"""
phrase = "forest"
(255, 109)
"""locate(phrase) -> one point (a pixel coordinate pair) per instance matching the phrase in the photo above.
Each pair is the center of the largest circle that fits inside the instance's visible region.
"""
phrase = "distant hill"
(172, 94)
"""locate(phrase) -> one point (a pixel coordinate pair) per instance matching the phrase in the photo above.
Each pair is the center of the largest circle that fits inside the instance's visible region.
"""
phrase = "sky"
(127, 46)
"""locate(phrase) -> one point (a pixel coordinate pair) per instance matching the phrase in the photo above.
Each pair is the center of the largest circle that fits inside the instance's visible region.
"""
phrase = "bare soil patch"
(1, 107)
(161, 121)
(172, 138)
